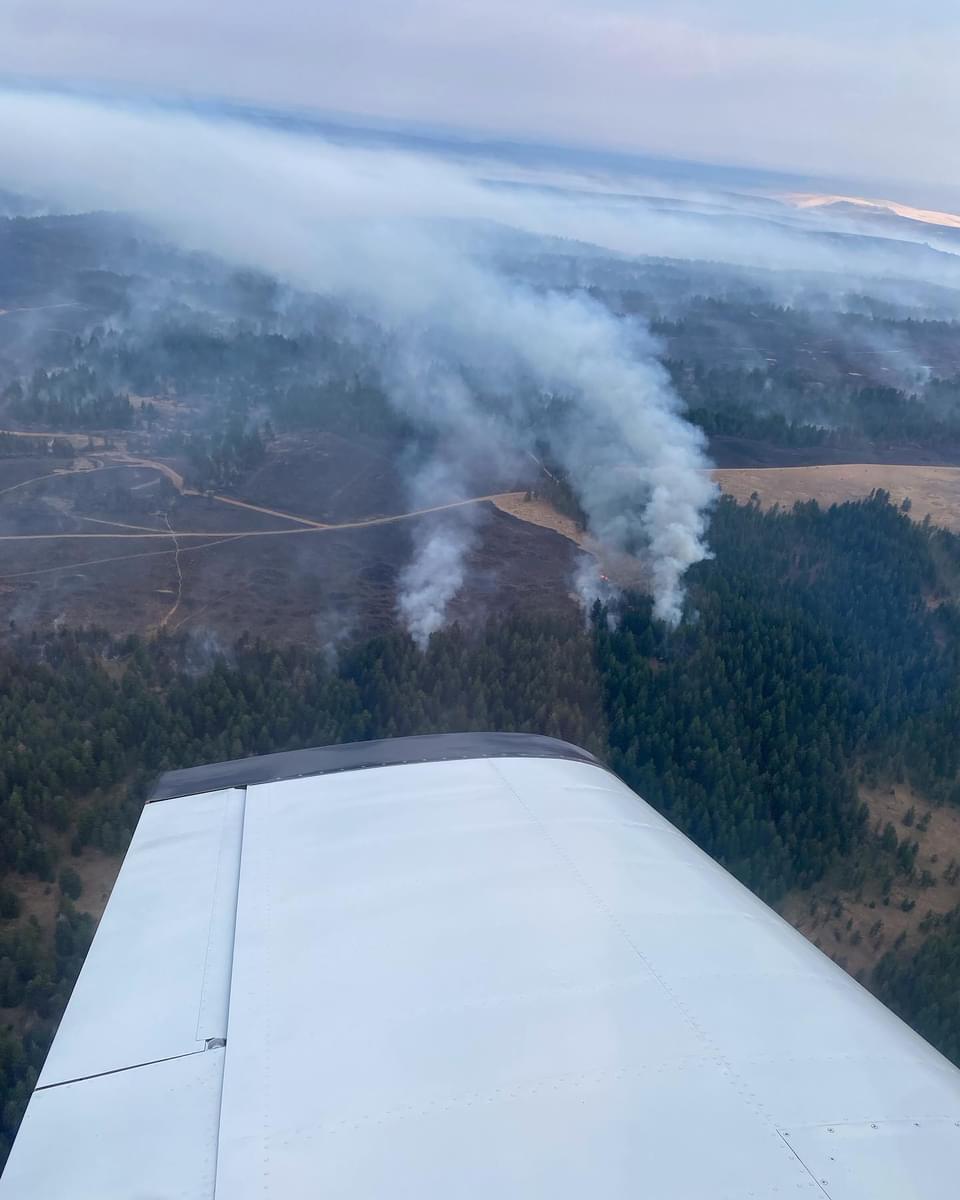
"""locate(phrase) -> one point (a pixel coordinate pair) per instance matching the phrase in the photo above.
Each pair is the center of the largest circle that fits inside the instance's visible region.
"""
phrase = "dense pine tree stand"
(814, 643)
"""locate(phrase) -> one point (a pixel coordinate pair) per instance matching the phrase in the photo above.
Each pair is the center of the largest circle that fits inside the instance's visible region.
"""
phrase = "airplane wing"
(462, 966)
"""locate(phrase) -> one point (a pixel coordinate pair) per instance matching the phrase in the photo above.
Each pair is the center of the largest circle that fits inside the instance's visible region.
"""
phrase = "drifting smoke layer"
(387, 234)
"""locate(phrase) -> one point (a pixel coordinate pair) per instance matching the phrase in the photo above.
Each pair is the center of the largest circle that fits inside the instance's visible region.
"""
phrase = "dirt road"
(143, 532)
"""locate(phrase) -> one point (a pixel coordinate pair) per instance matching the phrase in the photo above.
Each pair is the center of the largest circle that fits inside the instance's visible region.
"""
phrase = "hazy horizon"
(862, 96)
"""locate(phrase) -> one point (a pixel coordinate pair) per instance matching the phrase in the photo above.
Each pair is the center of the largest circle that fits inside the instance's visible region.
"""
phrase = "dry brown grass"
(621, 569)
(931, 490)
(539, 512)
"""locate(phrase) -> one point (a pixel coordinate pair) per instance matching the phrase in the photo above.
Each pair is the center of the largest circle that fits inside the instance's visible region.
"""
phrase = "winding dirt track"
(307, 527)
(934, 490)
(207, 538)
(176, 559)
(96, 562)
(120, 459)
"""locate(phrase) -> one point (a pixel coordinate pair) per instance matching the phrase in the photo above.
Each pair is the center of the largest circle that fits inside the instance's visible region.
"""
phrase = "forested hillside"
(791, 407)
(818, 645)
(804, 400)
(924, 987)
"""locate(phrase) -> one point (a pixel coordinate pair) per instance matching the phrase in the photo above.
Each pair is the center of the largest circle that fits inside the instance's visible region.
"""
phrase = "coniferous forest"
(818, 644)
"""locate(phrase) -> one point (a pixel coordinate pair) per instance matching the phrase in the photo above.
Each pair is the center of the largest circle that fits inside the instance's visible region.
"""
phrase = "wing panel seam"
(713, 1052)
(223, 904)
(229, 989)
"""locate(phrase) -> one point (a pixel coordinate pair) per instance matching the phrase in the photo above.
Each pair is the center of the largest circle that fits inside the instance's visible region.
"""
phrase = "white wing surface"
(465, 966)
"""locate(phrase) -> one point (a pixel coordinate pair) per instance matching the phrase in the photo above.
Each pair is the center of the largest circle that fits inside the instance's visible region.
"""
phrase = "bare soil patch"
(328, 478)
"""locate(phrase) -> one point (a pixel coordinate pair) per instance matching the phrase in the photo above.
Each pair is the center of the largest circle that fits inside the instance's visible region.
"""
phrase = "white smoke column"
(384, 232)
(639, 469)
(425, 389)
(441, 543)
(436, 573)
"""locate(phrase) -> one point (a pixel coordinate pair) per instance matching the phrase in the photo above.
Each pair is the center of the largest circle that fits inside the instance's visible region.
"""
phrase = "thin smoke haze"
(488, 365)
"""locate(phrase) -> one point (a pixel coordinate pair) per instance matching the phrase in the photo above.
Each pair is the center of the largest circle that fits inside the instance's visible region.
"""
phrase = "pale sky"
(842, 87)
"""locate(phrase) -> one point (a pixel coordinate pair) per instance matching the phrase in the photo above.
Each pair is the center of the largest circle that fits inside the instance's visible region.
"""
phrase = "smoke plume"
(489, 366)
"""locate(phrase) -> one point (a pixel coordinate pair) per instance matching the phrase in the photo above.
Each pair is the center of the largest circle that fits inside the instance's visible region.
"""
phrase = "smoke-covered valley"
(474, 327)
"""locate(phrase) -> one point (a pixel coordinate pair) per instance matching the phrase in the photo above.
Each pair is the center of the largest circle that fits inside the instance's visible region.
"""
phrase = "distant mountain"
(885, 214)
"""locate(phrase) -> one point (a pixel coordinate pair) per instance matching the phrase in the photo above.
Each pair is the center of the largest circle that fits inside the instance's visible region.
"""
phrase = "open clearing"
(853, 923)
(933, 491)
